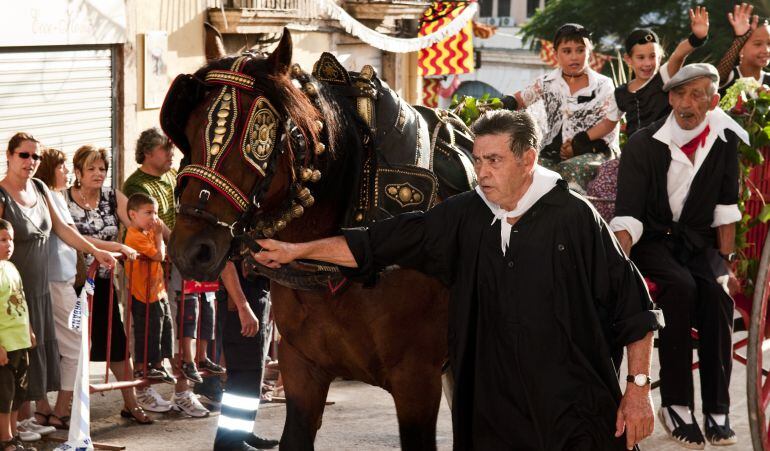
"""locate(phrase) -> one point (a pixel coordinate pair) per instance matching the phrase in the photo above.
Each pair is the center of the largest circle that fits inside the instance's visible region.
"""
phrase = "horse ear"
(280, 59)
(215, 47)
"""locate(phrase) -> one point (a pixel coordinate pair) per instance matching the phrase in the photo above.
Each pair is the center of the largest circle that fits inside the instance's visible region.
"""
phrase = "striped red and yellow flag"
(430, 88)
(453, 55)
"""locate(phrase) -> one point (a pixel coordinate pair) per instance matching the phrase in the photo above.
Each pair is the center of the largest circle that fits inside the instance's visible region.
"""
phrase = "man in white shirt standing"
(676, 208)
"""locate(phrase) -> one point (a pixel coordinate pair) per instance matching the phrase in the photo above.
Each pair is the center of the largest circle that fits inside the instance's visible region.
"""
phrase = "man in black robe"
(542, 297)
(676, 205)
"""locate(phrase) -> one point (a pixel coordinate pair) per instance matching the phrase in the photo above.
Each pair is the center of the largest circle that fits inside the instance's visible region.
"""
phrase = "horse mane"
(289, 100)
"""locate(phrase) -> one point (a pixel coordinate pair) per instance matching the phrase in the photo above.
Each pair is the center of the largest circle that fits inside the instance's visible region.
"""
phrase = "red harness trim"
(217, 181)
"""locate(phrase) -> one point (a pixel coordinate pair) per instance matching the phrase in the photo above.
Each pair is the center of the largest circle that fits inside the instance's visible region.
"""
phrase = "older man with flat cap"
(676, 211)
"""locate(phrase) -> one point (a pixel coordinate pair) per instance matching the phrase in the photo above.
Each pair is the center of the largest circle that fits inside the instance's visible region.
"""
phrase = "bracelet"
(696, 41)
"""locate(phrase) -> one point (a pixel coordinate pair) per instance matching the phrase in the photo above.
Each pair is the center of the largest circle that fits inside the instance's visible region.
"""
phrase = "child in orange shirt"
(148, 290)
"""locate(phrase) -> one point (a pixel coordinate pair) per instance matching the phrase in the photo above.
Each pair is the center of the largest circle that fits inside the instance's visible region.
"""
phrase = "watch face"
(640, 380)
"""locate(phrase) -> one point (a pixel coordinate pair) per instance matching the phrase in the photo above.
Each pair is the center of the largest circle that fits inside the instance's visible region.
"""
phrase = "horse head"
(253, 138)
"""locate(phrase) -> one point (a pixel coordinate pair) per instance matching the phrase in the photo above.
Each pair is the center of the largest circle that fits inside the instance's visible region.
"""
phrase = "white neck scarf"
(717, 120)
(543, 181)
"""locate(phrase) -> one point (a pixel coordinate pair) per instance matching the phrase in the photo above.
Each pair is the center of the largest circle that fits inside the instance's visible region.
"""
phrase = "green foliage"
(749, 107)
(611, 22)
(470, 108)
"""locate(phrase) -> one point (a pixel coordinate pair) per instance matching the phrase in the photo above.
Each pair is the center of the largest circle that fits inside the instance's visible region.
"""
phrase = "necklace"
(571, 78)
(85, 201)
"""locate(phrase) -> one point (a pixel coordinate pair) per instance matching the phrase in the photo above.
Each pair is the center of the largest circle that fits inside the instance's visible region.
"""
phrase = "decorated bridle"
(257, 145)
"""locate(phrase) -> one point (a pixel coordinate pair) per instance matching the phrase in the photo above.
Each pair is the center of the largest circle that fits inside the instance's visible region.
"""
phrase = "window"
(532, 6)
(503, 8)
(485, 8)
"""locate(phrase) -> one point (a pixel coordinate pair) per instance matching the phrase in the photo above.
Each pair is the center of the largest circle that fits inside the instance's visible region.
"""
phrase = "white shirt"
(682, 171)
(543, 181)
(564, 112)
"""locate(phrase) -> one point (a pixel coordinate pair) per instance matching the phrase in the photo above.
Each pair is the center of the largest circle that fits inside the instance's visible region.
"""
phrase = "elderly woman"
(62, 269)
(97, 211)
(27, 204)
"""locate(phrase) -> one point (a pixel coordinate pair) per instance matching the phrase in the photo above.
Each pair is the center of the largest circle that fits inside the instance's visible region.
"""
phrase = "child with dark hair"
(16, 338)
(750, 51)
(642, 100)
(581, 131)
(153, 334)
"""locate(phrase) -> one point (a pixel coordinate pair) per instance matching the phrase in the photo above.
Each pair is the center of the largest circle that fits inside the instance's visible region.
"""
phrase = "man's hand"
(249, 322)
(741, 19)
(274, 253)
(3, 356)
(635, 415)
(566, 150)
(699, 22)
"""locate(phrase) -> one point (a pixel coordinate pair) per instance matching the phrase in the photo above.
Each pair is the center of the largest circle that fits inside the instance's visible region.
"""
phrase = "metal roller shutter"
(64, 98)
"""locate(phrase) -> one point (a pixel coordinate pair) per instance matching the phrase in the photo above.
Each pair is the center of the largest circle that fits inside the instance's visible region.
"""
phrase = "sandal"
(46, 418)
(63, 422)
(9, 445)
(132, 414)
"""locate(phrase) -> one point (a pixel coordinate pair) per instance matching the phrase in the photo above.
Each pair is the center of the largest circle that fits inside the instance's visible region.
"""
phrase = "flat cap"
(691, 72)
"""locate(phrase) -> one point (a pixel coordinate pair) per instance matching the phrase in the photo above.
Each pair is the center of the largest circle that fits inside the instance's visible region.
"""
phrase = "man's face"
(160, 158)
(500, 173)
(691, 101)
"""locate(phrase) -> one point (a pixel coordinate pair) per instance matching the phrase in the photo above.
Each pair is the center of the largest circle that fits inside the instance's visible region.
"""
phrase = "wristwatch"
(640, 379)
(731, 257)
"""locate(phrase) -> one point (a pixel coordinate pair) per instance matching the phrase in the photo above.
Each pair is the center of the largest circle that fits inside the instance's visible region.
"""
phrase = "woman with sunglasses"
(581, 131)
(27, 204)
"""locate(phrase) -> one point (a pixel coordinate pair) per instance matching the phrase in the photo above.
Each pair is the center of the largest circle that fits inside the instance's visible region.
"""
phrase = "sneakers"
(27, 436)
(719, 435)
(211, 367)
(30, 425)
(687, 435)
(151, 401)
(190, 372)
(188, 403)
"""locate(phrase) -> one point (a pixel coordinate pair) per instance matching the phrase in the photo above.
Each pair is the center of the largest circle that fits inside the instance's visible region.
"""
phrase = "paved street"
(362, 418)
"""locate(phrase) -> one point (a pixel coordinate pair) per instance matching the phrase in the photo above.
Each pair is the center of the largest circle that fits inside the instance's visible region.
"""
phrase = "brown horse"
(251, 139)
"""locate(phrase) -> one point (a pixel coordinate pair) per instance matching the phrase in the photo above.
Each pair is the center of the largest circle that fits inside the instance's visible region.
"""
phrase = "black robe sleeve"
(728, 194)
(633, 179)
(620, 294)
(422, 241)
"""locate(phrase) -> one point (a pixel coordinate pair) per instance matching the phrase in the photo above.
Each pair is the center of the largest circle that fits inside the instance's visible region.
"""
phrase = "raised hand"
(741, 19)
(699, 22)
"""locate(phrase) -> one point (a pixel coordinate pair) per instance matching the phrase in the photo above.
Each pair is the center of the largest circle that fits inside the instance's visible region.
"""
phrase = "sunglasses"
(34, 156)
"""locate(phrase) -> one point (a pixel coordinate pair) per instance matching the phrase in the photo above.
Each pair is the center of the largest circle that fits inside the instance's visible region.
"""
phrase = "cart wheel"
(758, 384)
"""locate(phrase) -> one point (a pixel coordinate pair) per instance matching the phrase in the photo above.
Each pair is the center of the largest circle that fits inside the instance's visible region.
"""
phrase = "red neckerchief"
(696, 142)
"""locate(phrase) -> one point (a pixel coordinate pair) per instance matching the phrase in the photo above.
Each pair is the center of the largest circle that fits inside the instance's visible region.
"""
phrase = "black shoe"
(687, 435)
(719, 435)
(236, 446)
(190, 372)
(211, 367)
(260, 442)
(160, 374)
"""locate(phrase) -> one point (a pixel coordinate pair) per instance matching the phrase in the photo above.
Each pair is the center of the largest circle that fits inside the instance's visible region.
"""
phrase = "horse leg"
(417, 394)
(306, 387)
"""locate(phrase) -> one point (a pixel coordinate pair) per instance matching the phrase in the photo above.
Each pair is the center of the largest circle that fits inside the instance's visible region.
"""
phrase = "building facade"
(75, 72)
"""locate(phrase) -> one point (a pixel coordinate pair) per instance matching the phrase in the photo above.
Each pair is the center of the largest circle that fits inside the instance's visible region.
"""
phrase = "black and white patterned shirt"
(572, 113)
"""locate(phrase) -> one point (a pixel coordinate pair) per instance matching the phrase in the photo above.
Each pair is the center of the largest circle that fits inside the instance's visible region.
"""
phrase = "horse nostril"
(204, 253)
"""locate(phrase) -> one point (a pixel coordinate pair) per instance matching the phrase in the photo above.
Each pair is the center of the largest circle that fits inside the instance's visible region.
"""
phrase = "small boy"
(148, 290)
(16, 338)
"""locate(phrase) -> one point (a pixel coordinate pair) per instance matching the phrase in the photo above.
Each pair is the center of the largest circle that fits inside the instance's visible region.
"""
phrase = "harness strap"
(217, 181)
(230, 78)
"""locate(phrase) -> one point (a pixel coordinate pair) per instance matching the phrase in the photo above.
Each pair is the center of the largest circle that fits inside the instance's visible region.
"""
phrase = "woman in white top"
(581, 130)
